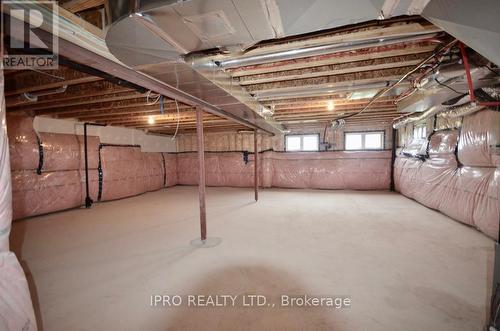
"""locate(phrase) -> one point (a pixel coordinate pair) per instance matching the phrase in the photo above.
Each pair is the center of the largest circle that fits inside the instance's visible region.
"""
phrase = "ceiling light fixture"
(331, 105)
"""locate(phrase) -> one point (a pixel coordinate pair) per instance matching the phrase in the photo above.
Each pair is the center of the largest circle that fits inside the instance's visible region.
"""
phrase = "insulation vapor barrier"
(315, 170)
(467, 191)
(170, 160)
(455, 171)
(221, 169)
(23, 143)
(35, 194)
(328, 170)
(67, 151)
(48, 170)
(16, 309)
(60, 151)
(126, 171)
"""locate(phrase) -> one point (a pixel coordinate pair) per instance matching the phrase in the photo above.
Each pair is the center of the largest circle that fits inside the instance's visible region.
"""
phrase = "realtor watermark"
(250, 300)
(23, 21)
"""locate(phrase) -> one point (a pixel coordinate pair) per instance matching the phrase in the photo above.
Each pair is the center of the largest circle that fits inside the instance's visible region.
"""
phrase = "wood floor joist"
(351, 67)
(299, 90)
(73, 93)
(114, 113)
(76, 6)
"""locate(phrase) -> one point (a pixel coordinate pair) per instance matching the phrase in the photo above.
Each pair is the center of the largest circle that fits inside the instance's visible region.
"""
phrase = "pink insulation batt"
(34, 194)
(127, 171)
(328, 170)
(60, 151)
(123, 172)
(154, 171)
(170, 168)
(468, 192)
(93, 143)
(321, 170)
(23, 143)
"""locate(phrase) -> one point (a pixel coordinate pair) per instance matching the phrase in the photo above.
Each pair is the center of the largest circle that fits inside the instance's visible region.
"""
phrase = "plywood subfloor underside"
(404, 266)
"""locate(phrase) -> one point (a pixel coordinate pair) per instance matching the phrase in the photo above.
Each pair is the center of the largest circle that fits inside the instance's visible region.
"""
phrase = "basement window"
(302, 143)
(420, 131)
(358, 141)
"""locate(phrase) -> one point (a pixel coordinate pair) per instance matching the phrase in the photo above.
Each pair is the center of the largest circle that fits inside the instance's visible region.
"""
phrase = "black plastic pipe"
(393, 157)
(88, 200)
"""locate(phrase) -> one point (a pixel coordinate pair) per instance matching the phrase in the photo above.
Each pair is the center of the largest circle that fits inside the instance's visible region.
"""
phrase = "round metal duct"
(134, 38)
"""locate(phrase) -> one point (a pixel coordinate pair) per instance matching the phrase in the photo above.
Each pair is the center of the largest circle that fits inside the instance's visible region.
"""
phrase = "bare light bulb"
(331, 105)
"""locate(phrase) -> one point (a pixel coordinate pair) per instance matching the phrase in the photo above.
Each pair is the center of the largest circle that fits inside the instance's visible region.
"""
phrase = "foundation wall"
(243, 141)
(314, 170)
(48, 169)
(456, 171)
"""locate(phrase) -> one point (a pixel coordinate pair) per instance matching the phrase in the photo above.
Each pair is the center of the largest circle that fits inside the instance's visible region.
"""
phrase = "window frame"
(421, 127)
(302, 135)
(363, 133)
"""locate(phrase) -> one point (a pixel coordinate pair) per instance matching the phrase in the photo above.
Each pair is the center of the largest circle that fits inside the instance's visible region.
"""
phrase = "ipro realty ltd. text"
(250, 300)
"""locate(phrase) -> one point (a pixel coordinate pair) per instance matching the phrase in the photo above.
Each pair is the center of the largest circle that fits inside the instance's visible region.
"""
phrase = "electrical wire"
(178, 120)
(156, 98)
(449, 87)
(176, 105)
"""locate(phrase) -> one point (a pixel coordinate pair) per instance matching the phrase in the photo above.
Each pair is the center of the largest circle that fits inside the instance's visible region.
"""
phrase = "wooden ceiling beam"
(51, 86)
(100, 105)
(74, 92)
(89, 103)
(379, 75)
(76, 6)
(159, 117)
(193, 125)
(145, 125)
(132, 109)
(228, 128)
(347, 68)
(40, 80)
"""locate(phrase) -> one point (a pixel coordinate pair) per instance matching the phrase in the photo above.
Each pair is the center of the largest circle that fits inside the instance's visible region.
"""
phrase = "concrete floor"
(405, 267)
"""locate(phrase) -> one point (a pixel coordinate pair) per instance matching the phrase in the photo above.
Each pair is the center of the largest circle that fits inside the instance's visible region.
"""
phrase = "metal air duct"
(291, 54)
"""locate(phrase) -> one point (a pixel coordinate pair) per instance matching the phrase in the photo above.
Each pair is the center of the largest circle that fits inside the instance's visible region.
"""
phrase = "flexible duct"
(400, 122)
(460, 111)
(441, 111)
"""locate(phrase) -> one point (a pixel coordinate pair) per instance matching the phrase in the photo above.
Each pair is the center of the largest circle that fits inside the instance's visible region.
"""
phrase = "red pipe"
(490, 103)
(465, 60)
